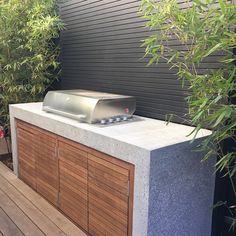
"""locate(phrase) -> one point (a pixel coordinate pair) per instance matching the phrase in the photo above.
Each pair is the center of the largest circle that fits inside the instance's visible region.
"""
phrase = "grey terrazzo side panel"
(181, 192)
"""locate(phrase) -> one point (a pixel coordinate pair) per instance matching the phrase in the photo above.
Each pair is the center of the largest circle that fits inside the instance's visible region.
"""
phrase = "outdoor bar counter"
(172, 191)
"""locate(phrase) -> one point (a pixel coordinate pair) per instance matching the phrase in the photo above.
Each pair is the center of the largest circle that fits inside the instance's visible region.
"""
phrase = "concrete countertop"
(145, 133)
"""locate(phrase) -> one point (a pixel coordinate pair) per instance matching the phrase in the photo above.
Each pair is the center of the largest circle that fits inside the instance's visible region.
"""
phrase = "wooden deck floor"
(24, 212)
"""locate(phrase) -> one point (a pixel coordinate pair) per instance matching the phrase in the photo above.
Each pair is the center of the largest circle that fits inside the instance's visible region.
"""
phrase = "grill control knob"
(103, 122)
(111, 120)
(125, 118)
(118, 119)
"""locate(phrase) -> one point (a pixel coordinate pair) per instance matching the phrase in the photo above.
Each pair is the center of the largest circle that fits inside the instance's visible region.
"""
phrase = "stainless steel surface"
(90, 106)
(118, 119)
(103, 122)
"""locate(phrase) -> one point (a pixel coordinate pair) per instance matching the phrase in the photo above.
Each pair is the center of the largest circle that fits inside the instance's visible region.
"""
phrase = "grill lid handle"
(73, 116)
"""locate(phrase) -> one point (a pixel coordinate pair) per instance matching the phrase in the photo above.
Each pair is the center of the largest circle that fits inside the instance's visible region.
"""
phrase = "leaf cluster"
(203, 28)
(28, 51)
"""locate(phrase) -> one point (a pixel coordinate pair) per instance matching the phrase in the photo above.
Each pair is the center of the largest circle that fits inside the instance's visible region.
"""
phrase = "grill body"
(90, 106)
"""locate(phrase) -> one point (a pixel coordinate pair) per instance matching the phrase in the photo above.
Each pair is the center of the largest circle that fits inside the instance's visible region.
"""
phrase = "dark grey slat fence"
(101, 51)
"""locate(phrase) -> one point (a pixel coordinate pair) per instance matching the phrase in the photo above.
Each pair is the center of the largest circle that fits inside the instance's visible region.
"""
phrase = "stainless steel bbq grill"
(90, 106)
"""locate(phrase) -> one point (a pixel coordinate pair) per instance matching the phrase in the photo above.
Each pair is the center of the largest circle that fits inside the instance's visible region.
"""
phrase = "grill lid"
(90, 106)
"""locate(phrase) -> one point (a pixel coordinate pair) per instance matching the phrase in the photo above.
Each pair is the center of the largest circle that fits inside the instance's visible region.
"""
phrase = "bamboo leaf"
(222, 6)
(220, 118)
(212, 50)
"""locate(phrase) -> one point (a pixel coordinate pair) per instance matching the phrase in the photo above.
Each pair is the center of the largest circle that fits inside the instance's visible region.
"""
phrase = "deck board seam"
(11, 221)
(16, 209)
(33, 205)
(22, 211)
(16, 183)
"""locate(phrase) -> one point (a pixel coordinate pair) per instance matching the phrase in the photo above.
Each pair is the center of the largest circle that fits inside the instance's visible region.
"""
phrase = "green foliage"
(203, 28)
(28, 51)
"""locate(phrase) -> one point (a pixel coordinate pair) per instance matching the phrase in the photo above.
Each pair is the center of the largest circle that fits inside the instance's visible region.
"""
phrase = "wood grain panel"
(33, 129)
(26, 155)
(26, 126)
(106, 225)
(27, 173)
(103, 205)
(109, 162)
(109, 195)
(47, 166)
(64, 142)
(38, 164)
(110, 198)
(73, 200)
(108, 179)
(93, 189)
(77, 205)
(107, 213)
(109, 216)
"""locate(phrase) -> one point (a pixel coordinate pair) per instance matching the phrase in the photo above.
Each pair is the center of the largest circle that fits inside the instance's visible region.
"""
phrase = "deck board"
(29, 212)
(7, 226)
(19, 218)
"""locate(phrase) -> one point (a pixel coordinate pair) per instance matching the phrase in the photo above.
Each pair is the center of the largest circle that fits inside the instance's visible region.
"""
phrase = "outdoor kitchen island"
(145, 170)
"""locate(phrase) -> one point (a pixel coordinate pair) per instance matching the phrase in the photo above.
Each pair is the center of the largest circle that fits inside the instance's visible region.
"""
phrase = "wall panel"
(101, 50)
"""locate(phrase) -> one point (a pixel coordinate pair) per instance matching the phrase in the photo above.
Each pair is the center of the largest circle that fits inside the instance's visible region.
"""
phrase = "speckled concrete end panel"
(181, 192)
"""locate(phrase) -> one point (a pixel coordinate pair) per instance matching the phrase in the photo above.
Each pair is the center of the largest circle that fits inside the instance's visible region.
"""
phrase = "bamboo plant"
(28, 52)
(203, 28)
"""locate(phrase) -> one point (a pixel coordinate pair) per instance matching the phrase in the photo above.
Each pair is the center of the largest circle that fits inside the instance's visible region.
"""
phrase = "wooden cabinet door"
(109, 196)
(93, 189)
(47, 166)
(73, 182)
(26, 155)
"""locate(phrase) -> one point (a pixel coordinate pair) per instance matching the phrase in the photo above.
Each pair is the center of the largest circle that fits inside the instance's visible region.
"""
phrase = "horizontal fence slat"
(101, 50)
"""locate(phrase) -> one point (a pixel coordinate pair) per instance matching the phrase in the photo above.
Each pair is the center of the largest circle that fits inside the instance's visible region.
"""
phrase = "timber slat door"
(26, 155)
(73, 200)
(93, 189)
(109, 195)
(38, 164)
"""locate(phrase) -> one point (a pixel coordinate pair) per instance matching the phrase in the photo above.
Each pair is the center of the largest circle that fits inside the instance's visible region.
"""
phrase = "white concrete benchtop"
(148, 134)
(142, 143)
